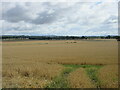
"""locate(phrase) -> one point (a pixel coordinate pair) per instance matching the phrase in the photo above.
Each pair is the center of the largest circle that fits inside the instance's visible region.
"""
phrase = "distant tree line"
(23, 37)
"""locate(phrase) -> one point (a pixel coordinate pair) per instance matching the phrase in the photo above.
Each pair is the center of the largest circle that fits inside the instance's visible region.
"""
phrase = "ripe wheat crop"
(35, 64)
(108, 76)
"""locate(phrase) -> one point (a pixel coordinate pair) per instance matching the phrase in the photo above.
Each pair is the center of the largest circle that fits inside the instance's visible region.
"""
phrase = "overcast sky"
(59, 18)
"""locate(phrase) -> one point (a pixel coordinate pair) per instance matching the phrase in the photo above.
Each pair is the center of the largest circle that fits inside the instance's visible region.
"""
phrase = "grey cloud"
(45, 18)
(112, 19)
(20, 13)
(16, 14)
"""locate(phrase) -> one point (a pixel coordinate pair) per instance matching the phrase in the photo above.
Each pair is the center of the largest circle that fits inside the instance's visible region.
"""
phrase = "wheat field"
(37, 64)
(109, 76)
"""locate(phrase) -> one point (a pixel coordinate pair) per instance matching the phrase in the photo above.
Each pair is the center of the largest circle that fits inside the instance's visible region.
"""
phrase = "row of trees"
(22, 37)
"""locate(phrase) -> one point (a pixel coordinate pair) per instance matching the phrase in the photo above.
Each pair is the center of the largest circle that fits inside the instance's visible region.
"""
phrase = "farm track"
(62, 82)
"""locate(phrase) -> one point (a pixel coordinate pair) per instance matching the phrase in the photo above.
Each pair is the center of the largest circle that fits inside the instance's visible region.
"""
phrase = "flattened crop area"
(60, 64)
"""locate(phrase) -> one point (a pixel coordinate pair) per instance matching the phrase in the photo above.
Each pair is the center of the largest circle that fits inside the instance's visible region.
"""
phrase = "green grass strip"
(92, 73)
(61, 80)
(82, 66)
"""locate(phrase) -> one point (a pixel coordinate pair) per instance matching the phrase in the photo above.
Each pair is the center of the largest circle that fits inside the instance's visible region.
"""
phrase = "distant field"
(60, 63)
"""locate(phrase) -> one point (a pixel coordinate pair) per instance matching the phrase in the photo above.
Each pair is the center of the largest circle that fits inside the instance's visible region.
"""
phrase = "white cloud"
(60, 18)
